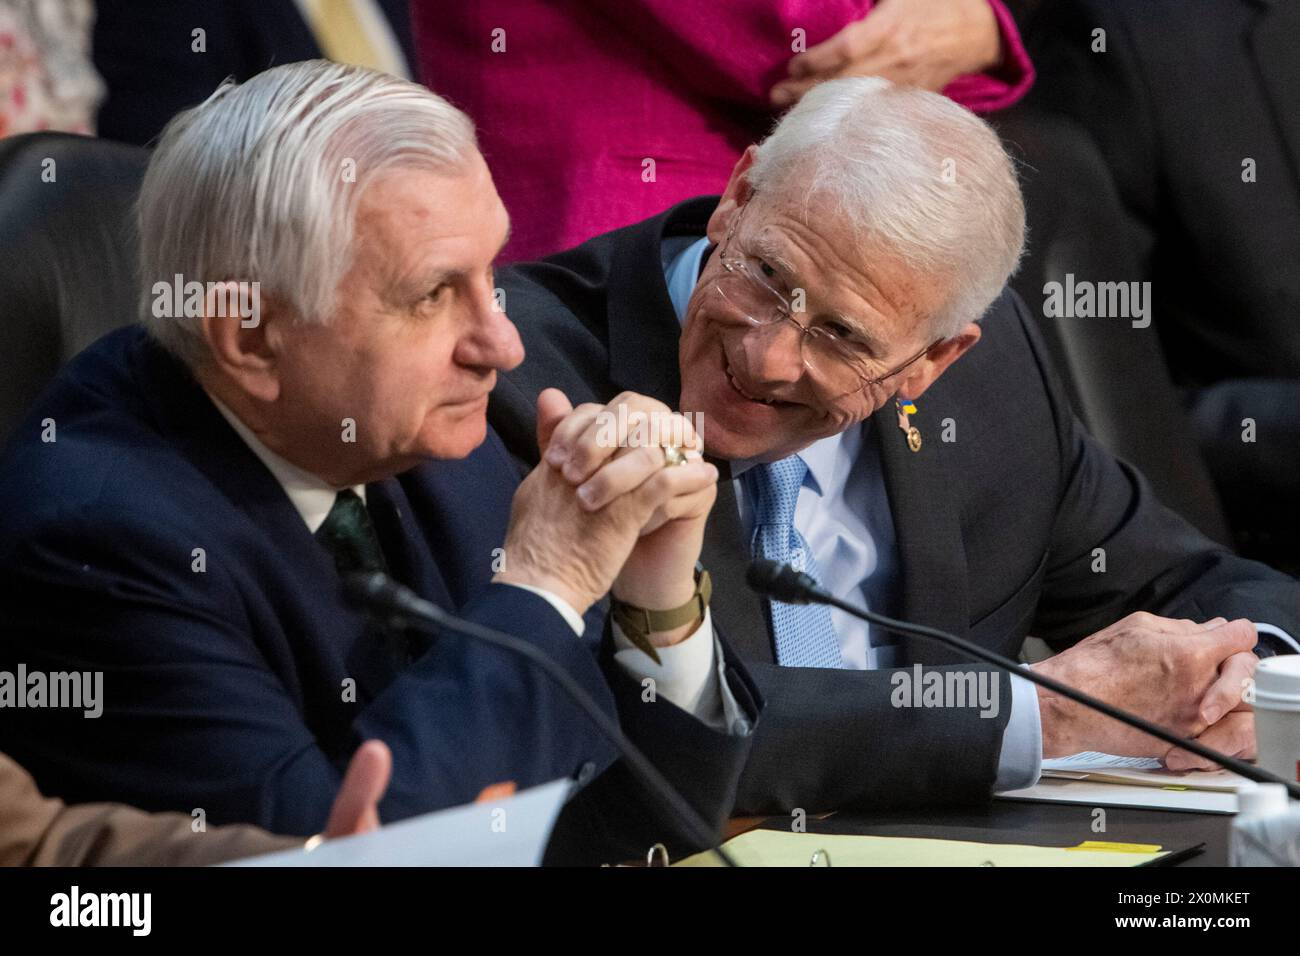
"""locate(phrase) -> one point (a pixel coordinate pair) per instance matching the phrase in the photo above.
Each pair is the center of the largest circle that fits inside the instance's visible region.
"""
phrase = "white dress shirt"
(691, 674)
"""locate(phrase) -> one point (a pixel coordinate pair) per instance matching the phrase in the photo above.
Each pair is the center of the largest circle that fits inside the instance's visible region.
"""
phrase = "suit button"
(586, 772)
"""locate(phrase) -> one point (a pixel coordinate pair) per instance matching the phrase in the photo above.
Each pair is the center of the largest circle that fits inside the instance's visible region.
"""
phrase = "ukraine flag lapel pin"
(906, 408)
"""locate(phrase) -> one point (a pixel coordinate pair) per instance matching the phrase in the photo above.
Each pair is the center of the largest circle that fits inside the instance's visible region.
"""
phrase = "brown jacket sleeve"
(40, 831)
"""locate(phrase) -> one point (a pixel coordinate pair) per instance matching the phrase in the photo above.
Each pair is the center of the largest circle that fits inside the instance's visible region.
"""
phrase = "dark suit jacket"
(144, 51)
(996, 530)
(1187, 90)
(226, 688)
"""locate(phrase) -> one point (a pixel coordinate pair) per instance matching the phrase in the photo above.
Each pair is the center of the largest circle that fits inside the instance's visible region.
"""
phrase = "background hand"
(356, 808)
(925, 43)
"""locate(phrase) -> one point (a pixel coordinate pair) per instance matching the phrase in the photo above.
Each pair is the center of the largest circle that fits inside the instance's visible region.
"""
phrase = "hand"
(356, 808)
(1174, 673)
(925, 43)
(576, 548)
(606, 452)
(1233, 733)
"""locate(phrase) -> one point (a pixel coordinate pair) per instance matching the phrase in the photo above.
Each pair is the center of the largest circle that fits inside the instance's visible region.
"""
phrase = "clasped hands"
(604, 511)
(1188, 677)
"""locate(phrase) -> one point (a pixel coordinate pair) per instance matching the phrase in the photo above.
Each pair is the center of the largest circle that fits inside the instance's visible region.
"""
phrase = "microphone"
(399, 606)
(783, 583)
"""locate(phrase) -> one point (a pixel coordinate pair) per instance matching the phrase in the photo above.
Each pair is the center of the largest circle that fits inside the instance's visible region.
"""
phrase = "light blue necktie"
(804, 634)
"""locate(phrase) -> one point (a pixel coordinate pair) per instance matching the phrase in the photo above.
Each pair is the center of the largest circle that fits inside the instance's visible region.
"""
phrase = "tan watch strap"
(637, 623)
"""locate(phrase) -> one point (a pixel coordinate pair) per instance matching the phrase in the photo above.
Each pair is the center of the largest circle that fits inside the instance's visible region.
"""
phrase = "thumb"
(356, 807)
(552, 408)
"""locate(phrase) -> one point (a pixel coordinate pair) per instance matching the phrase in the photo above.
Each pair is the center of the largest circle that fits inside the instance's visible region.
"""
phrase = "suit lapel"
(1274, 42)
(930, 551)
(741, 614)
(643, 328)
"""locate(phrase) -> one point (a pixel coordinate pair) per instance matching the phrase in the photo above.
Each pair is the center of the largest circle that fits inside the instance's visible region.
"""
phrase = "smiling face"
(752, 383)
(413, 348)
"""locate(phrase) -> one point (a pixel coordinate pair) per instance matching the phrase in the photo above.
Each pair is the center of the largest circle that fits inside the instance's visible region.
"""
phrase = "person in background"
(42, 831)
(1211, 185)
(159, 58)
(47, 81)
(593, 116)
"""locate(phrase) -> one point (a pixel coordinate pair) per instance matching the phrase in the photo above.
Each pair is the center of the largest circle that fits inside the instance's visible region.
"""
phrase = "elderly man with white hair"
(305, 400)
(837, 326)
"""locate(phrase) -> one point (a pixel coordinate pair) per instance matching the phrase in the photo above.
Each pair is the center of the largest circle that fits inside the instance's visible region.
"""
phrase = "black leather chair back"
(67, 255)
(1116, 374)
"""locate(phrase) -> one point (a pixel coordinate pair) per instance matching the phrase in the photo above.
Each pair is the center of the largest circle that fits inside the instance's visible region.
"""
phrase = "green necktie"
(349, 536)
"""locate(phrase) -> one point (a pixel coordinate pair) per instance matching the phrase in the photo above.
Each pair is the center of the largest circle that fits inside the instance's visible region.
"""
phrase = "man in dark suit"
(188, 497)
(817, 322)
(1195, 105)
(160, 57)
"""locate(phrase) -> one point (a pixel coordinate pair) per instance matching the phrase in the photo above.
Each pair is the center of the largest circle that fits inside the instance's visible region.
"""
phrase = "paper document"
(1140, 771)
(512, 831)
(783, 848)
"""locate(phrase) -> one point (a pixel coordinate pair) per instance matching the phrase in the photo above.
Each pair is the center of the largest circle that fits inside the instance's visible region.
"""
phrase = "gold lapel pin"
(913, 433)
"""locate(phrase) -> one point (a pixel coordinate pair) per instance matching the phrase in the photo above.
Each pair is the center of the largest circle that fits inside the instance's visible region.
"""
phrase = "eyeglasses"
(839, 362)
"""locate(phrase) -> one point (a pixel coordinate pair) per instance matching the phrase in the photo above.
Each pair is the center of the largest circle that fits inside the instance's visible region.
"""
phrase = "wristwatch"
(638, 622)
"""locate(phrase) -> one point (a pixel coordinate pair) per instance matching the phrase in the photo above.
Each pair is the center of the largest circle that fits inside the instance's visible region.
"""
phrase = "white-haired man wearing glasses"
(837, 324)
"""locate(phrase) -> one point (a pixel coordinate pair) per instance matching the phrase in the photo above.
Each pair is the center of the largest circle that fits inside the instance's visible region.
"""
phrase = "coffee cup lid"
(1277, 682)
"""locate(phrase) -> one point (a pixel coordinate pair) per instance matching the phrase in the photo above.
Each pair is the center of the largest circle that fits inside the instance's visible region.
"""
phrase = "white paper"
(512, 831)
(1139, 771)
(1093, 794)
(1095, 760)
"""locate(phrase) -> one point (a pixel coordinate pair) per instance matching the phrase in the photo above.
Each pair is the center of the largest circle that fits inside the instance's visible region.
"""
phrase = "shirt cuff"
(1021, 762)
(1279, 635)
(691, 674)
(565, 609)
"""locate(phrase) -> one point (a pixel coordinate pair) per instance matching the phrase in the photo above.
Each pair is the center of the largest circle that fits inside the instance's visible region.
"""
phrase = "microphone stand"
(782, 583)
(381, 594)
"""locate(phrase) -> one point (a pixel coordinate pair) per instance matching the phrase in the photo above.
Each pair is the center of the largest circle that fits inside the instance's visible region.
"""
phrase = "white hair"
(915, 174)
(260, 183)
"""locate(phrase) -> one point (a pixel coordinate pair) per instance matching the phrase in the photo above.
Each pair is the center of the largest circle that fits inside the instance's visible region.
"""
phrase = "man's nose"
(491, 341)
(774, 353)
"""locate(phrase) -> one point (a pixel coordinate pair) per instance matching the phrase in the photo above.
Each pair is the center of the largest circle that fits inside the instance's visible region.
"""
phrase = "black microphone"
(783, 583)
(398, 605)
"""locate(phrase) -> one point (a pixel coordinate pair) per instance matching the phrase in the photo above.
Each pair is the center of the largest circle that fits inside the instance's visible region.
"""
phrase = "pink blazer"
(585, 92)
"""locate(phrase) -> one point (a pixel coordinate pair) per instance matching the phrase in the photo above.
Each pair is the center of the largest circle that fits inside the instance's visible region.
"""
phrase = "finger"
(789, 92)
(566, 432)
(1168, 625)
(856, 40)
(620, 476)
(1225, 693)
(682, 507)
(552, 406)
(628, 469)
(1234, 736)
(356, 808)
(1232, 637)
(668, 483)
(628, 422)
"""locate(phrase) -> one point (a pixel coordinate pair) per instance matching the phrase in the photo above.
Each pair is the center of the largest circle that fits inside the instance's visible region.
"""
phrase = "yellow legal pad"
(782, 848)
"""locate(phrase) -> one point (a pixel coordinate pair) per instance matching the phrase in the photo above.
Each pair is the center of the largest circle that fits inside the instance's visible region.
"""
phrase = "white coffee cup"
(1277, 715)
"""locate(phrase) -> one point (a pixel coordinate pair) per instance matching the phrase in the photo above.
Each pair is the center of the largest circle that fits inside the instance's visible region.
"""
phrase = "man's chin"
(454, 439)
